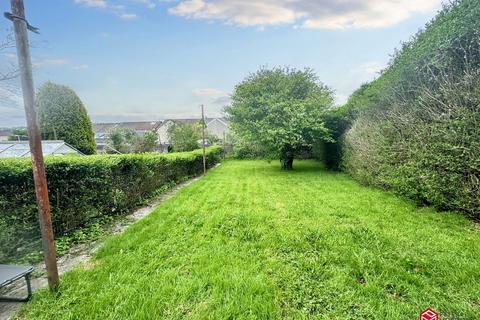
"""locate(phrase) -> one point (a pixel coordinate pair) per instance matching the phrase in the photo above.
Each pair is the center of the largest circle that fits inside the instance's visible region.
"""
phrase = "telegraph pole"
(20, 25)
(203, 141)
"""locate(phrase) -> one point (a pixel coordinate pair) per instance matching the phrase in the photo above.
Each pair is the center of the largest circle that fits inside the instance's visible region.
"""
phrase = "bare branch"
(12, 71)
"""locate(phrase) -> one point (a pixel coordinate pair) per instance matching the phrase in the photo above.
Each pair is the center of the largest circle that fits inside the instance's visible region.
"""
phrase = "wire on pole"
(12, 17)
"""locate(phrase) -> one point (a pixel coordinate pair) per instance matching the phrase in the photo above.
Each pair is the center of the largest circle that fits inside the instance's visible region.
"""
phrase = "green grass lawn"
(250, 241)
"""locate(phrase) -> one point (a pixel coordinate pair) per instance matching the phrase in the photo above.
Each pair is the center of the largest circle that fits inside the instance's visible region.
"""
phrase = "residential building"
(5, 133)
(214, 126)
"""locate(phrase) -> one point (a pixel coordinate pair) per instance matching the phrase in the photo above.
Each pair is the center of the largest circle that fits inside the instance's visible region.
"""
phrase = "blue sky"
(132, 60)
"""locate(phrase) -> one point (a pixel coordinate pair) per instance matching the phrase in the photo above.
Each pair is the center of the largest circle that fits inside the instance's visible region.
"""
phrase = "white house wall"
(162, 133)
(215, 127)
(218, 128)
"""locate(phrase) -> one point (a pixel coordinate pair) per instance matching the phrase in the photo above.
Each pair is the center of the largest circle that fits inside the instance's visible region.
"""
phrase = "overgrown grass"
(250, 241)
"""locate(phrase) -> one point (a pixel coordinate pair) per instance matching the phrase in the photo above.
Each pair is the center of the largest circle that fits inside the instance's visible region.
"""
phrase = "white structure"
(19, 149)
(218, 127)
(214, 126)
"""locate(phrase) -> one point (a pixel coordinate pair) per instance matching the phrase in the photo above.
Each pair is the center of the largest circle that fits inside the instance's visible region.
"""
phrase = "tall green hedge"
(85, 188)
(416, 129)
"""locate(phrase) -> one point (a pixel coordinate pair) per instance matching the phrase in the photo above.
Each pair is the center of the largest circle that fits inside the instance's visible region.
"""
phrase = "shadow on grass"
(302, 166)
(274, 166)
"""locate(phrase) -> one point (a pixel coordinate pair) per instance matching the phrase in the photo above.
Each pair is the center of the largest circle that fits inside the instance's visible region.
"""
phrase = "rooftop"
(18, 149)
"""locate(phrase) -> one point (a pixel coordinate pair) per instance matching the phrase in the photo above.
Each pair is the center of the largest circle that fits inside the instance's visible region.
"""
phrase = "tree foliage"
(62, 116)
(149, 142)
(211, 139)
(281, 110)
(184, 136)
(122, 139)
(18, 134)
(126, 140)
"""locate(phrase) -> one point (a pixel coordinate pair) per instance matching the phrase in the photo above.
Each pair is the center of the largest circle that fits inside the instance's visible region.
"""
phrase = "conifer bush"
(62, 116)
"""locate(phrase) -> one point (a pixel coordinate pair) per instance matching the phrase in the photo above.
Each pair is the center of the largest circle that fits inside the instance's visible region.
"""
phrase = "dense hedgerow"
(416, 129)
(82, 189)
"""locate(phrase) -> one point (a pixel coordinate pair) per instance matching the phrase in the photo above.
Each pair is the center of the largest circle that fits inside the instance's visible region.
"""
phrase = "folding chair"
(9, 274)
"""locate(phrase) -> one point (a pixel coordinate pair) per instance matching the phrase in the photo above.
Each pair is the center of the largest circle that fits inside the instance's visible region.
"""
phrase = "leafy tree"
(148, 143)
(123, 140)
(62, 116)
(184, 136)
(18, 134)
(116, 139)
(242, 149)
(211, 139)
(280, 110)
(126, 140)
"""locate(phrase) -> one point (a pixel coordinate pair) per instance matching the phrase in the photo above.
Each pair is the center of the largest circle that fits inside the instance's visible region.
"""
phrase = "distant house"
(217, 127)
(214, 126)
(20, 149)
(18, 133)
(5, 133)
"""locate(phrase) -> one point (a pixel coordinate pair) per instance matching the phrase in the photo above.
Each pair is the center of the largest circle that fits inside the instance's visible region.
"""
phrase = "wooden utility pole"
(203, 141)
(25, 64)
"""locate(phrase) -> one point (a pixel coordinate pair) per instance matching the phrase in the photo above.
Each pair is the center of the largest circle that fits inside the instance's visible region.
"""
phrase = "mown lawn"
(250, 241)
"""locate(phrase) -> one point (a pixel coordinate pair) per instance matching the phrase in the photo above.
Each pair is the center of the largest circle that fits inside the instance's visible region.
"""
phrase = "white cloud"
(92, 3)
(11, 56)
(372, 68)
(212, 96)
(49, 62)
(247, 13)
(324, 14)
(117, 7)
(355, 77)
(128, 16)
(119, 10)
(148, 3)
(81, 67)
(209, 92)
(341, 99)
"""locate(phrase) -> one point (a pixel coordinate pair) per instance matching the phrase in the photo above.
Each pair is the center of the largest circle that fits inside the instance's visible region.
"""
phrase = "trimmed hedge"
(84, 188)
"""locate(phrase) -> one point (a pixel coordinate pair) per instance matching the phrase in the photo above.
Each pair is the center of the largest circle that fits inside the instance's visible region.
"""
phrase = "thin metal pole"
(203, 141)
(224, 142)
(38, 168)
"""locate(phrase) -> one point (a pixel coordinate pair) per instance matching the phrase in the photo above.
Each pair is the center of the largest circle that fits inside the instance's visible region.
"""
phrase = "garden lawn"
(250, 241)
